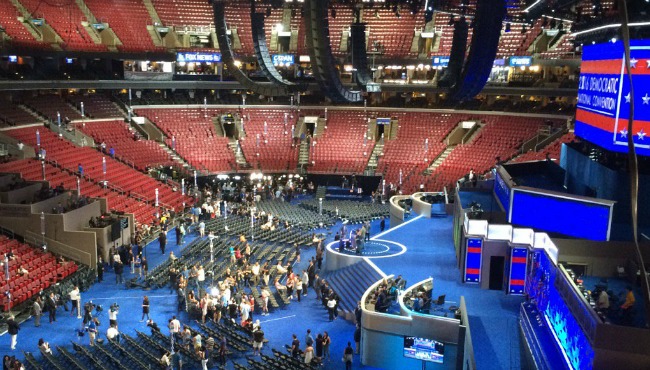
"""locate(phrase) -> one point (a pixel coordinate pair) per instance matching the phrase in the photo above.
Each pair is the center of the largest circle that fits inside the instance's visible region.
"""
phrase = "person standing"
(145, 308)
(179, 238)
(295, 347)
(258, 341)
(319, 347)
(119, 270)
(145, 267)
(382, 224)
(92, 330)
(12, 329)
(347, 356)
(162, 239)
(50, 305)
(326, 345)
(357, 339)
(100, 270)
(222, 351)
(37, 311)
(137, 263)
(305, 281)
(75, 300)
(331, 306)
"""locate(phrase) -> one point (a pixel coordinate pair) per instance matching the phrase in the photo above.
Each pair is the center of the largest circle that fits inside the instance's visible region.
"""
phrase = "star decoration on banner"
(627, 98)
(623, 133)
(646, 99)
(641, 134)
(633, 63)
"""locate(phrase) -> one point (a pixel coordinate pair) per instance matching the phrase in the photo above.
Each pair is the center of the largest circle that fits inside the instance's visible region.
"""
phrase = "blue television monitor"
(424, 349)
(604, 96)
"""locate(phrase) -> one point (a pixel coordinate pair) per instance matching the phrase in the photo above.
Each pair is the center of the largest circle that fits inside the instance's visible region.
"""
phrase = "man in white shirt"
(200, 277)
(202, 228)
(245, 310)
(113, 334)
(280, 269)
(75, 299)
(255, 270)
(175, 325)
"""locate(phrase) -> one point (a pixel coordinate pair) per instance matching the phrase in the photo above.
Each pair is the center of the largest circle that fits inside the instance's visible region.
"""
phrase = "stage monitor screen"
(604, 96)
(424, 349)
(561, 214)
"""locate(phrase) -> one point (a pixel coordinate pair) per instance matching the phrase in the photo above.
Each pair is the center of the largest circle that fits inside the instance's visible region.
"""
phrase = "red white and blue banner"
(604, 96)
(473, 260)
(518, 261)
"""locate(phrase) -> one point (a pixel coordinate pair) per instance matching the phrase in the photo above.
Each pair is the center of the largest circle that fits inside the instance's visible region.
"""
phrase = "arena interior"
(307, 184)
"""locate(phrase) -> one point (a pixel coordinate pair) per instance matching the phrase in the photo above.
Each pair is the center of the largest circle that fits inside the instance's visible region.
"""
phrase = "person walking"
(162, 239)
(357, 339)
(119, 270)
(347, 356)
(12, 329)
(37, 311)
(145, 308)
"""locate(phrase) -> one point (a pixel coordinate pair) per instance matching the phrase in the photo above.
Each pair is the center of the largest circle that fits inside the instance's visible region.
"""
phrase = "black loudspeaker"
(227, 56)
(485, 42)
(359, 55)
(320, 52)
(457, 57)
(264, 57)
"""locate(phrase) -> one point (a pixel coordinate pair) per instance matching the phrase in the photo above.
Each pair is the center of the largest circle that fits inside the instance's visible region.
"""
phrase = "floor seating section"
(128, 19)
(95, 106)
(49, 105)
(142, 154)
(42, 267)
(552, 150)
(274, 150)
(116, 200)
(66, 21)
(407, 152)
(15, 29)
(119, 176)
(340, 148)
(12, 115)
(196, 139)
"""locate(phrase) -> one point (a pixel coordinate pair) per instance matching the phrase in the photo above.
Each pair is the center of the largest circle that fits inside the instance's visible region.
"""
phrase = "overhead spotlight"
(333, 13)
(507, 26)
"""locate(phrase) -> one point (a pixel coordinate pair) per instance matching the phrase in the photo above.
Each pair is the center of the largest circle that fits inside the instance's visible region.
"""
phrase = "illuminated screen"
(604, 96)
(424, 349)
(571, 217)
(502, 191)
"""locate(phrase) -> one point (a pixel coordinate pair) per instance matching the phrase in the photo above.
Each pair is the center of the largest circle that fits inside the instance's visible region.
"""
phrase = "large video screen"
(604, 96)
(562, 215)
(424, 349)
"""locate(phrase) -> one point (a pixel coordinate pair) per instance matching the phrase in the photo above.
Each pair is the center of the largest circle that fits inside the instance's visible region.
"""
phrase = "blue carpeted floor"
(430, 253)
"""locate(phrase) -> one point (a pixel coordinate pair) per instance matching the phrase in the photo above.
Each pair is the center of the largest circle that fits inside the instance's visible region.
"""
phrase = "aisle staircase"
(239, 154)
(377, 151)
(177, 158)
(303, 155)
(436, 163)
(350, 283)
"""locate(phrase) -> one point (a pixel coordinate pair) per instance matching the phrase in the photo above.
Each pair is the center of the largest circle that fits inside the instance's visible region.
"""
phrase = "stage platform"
(339, 193)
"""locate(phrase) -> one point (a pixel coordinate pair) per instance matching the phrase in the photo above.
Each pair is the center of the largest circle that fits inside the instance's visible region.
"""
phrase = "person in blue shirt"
(111, 152)
(92, 330)
(81, 170)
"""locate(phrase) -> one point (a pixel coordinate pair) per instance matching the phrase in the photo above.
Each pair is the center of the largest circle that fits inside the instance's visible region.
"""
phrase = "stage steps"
(240, 159)
(177, 158)
(350, 283)
(377, 151)
(439, 160)
(303, 155)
